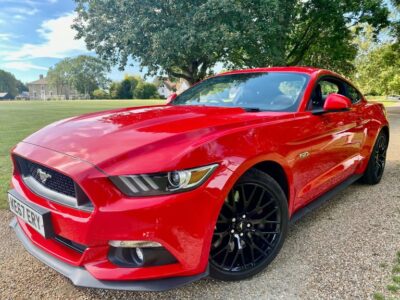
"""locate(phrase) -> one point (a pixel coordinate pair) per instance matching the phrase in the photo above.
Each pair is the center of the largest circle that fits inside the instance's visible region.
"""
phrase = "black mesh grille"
(50, 179)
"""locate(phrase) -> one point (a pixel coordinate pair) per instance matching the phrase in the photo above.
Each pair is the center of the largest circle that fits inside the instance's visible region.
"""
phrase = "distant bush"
(145, 90)
(100, 94)
(125, 90)
(133, 87)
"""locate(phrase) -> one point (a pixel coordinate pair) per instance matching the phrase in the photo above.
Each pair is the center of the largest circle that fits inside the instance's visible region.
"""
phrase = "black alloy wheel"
(377, 161)
(251, 227)
(380, 156)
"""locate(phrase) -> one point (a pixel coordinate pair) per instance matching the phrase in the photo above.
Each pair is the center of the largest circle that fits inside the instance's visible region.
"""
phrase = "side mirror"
(171, 98)
(334, 103)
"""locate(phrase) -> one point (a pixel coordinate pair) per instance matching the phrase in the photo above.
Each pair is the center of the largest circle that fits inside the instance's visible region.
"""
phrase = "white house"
(42, 90)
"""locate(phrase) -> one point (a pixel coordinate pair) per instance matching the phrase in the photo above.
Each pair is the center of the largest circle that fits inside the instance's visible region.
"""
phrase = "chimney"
(41, 76)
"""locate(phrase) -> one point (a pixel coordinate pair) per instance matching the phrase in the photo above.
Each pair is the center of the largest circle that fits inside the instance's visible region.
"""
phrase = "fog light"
(132, 256)
(139, 254)
(134, 244)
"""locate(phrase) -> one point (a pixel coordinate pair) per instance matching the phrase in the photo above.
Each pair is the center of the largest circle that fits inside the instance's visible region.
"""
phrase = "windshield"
(274, 91)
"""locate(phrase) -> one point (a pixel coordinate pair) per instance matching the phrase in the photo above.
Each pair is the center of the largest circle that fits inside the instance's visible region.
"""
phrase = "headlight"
(163, 183)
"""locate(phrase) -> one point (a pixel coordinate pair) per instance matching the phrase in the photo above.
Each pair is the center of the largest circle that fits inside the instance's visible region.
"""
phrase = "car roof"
(306, 70)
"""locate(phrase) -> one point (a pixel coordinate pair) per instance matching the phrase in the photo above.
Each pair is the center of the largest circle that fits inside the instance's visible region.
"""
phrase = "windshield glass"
(274, 91)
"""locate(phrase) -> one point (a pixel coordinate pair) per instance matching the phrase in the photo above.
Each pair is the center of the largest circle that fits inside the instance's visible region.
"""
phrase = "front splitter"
(79, 276)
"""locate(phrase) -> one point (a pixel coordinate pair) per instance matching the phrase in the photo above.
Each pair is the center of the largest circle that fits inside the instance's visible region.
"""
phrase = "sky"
(36, 34)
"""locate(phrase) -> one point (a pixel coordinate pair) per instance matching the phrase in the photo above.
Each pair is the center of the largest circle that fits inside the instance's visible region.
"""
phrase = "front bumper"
(182, 223)
(80, 277)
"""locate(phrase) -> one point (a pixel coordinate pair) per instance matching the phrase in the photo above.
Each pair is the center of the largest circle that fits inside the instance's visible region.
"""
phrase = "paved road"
(338, 252)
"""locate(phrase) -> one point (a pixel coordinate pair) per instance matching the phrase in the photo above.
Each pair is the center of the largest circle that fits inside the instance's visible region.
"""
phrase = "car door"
(333, 144)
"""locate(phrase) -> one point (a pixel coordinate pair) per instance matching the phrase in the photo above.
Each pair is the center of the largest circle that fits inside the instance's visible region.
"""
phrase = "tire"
(250, 229)
(376, 164)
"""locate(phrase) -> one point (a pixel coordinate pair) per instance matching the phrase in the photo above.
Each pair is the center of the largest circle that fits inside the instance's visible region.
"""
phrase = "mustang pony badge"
(43, 176)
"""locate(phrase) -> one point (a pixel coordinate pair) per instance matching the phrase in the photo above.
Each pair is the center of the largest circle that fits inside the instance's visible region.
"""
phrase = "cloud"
(5, 37)
(27, 2)
(19, 17)
(58, 41)
(27, 11)
(17, 11)
(23, 66)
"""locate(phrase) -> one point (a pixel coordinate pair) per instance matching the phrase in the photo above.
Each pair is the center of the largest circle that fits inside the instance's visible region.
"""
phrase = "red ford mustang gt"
(152, 198)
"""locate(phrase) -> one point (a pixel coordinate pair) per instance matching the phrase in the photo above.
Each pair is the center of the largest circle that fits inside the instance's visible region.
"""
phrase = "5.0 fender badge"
(304, 155)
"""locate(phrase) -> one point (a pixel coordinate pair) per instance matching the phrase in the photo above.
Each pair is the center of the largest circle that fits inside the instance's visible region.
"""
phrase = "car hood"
(105, 137)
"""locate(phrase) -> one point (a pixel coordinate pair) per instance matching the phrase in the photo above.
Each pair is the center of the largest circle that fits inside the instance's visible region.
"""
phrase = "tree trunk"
(193, 73)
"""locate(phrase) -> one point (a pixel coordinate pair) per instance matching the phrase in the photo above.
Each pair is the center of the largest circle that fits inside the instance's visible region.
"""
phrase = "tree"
(186, 39)
(125, 90)
(84, 73)
(100, 94)
(114, 89)
(395, 24)
(11, 85)
(21, 87)
(146, 90)
(133, 87)
(59, 76)
(88, 73)
(378, 70)
(127, 87)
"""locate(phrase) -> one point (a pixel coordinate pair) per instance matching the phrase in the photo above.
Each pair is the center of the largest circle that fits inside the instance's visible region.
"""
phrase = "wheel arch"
(275, 166)
(385, 130)
(277, 172)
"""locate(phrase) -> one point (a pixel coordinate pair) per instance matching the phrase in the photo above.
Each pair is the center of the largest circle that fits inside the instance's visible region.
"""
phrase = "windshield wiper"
(251, 109)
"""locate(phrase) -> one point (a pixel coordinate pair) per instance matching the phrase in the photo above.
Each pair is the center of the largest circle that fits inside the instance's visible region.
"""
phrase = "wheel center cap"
(240, 226)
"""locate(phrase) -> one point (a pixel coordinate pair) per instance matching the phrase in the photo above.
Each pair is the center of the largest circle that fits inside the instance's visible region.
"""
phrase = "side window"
(322, 90)
(328, 88)
(353, 94)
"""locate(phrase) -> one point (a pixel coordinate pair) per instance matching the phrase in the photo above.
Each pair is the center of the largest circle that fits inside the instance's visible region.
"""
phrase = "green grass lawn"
(392, 290)
(383, 100)
(19, 119)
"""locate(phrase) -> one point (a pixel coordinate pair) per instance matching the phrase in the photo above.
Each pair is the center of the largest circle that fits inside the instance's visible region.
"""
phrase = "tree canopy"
(186, 39)
(378, 70)
(9, 84)
(84, 73)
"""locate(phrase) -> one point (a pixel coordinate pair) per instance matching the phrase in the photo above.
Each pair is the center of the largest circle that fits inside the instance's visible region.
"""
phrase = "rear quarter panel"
(374, 119)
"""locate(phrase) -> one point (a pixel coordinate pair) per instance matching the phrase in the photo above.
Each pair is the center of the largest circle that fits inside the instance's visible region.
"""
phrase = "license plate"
(38, 219)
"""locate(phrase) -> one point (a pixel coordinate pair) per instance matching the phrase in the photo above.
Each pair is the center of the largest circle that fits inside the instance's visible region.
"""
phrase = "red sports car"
(151, 198)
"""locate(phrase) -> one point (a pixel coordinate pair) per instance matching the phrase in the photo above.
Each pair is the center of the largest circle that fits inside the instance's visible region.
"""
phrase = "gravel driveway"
(343, 250)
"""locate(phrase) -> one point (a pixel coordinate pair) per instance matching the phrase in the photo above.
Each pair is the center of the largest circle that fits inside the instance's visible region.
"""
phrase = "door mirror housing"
(171, 98)
(334, 103)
